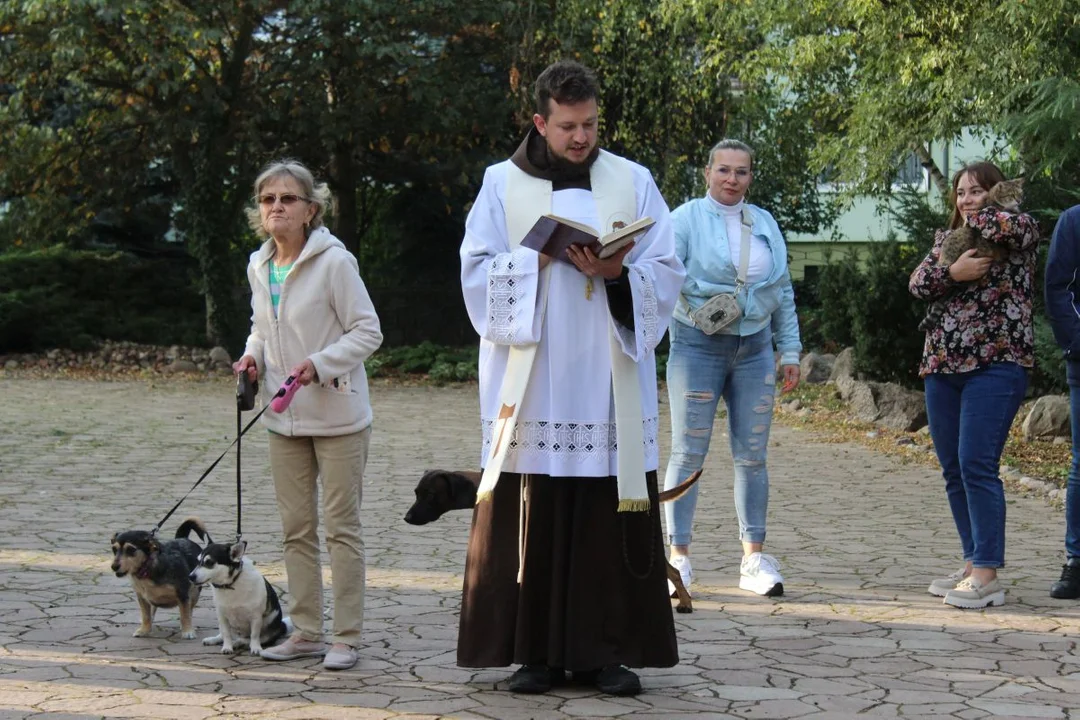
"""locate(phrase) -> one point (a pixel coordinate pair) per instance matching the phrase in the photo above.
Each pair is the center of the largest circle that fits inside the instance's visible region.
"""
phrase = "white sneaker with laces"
(682, 564)
(760, 573)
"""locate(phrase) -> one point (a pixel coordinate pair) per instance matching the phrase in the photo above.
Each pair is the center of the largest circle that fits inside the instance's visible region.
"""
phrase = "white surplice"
(566, 424)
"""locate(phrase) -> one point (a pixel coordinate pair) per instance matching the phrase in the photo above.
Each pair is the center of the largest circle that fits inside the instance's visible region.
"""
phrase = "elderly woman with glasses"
(312, 319)
(735, 256)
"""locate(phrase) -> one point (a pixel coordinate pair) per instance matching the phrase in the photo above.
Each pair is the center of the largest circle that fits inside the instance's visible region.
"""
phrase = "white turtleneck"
(761, 260)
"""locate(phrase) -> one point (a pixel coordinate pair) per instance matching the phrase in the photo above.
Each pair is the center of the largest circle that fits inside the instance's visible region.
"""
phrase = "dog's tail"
(194, 523)
(679, 490)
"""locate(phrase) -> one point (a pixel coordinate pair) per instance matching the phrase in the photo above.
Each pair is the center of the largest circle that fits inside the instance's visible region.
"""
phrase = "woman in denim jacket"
(735, 362)
(974, 369)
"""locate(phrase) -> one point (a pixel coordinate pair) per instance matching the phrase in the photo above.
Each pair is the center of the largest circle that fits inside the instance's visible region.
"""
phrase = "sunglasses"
(285, 198)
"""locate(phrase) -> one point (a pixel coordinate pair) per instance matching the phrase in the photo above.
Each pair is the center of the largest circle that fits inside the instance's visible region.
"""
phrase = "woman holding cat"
(974, 369)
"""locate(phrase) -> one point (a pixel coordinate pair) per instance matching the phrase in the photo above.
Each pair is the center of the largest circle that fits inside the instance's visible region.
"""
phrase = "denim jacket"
(701, 244)
(1062, 284)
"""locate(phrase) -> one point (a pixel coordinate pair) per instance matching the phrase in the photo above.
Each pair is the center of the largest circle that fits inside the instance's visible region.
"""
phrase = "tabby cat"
(1005, 195)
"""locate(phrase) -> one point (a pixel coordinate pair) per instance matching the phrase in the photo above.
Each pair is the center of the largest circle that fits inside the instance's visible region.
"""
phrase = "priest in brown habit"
(566, 566)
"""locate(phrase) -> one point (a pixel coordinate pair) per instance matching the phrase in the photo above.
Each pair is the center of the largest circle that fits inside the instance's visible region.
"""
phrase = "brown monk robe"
(574, 609)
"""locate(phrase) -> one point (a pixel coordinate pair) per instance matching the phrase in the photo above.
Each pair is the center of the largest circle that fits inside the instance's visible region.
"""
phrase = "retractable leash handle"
(246, 390)
(285, 394)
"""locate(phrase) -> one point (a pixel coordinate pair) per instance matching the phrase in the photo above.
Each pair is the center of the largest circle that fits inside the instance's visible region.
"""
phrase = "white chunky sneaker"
(682, 564)
(942, 586)
(970, 593)
(760, 573)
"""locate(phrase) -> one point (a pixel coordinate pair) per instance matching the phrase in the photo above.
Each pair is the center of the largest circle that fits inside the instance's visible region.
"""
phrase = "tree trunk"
(345, 180)
(927, 161)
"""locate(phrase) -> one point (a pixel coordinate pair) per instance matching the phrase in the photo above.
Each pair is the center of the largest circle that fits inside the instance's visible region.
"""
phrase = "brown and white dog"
(159, 572)
(442, 490)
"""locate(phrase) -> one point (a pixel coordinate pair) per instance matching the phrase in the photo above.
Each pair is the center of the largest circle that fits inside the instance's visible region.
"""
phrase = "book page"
(576, 225)
(632, 230)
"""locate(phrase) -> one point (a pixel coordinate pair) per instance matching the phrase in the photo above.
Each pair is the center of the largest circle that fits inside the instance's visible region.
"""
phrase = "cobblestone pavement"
(859, 535)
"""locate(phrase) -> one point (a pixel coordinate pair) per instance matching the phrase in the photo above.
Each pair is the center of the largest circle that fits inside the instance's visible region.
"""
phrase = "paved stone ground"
(860, 536)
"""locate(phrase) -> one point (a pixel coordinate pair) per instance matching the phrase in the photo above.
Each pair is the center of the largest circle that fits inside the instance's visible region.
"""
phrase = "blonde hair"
(730, 144)
(318, 194)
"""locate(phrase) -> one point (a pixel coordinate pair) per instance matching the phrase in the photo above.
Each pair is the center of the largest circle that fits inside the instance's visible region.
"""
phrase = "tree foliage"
(666, 108)
(127, 125)
(175, 105)
(883, 79)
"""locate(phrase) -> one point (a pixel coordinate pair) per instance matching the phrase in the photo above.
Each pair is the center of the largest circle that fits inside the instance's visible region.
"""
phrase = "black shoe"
(1068, 587)
(617, 680)
(534, 679)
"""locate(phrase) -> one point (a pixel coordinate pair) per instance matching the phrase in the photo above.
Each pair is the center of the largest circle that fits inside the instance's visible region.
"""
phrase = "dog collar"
(144, 571)
(229, 586)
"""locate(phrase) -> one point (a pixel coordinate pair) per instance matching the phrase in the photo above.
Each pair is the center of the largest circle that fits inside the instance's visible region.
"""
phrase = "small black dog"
(442, 490)
(159, 572)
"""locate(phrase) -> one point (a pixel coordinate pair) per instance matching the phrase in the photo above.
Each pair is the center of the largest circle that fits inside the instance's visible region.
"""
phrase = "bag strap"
(744, 254)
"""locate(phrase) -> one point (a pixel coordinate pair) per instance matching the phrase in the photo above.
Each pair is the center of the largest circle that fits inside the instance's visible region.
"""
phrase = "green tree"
(666, 109)
(398, 106)
(105, 96)
(884, 79)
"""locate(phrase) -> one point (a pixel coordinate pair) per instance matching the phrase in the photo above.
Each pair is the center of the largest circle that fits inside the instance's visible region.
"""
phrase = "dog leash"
(245, 399)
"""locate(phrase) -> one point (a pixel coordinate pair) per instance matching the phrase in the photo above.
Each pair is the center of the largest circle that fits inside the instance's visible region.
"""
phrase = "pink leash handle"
(284, 395)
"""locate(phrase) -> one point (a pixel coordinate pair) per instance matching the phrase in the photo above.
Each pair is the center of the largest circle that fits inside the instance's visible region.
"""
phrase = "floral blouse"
(987, 320)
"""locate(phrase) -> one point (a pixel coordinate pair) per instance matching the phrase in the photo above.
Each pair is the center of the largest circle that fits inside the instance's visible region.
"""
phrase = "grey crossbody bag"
(721, 310)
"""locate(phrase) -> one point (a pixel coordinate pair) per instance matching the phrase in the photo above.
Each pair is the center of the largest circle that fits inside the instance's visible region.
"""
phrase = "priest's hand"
(609, 268)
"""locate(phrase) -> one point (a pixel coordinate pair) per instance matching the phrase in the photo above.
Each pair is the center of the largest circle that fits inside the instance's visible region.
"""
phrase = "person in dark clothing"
(1063, 309)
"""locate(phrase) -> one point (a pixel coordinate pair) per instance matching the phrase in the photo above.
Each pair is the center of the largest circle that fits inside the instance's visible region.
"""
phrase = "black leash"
(245, 400)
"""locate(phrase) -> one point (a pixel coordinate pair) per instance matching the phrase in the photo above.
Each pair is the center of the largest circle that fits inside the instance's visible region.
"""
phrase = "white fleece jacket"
(325, 314)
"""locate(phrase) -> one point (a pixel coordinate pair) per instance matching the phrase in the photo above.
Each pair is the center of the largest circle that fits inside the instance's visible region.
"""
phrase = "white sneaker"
(682, 564)
(942, 586)
(760, 573)
(970, 593)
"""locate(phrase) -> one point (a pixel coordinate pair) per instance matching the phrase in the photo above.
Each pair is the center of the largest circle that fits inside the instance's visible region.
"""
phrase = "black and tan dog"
(159, 572)
(442, 490)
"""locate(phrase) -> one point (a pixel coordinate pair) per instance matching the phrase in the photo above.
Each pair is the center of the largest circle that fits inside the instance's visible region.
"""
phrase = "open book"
(551, 235)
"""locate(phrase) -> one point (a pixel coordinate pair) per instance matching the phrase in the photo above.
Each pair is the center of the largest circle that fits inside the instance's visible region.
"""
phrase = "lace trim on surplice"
(579, 441)
(507, 289)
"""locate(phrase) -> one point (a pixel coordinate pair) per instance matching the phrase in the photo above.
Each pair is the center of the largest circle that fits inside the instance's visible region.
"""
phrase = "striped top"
(277, 279)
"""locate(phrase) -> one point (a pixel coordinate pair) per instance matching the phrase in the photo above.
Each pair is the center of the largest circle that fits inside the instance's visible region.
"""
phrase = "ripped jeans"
(701, 368)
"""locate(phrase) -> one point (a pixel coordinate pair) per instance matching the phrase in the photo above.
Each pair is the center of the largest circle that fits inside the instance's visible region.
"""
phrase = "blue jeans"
(1072, 497)
(701, 368)
(970, 415)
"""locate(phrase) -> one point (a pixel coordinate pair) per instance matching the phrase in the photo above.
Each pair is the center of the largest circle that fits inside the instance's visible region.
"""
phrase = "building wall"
(867, 220)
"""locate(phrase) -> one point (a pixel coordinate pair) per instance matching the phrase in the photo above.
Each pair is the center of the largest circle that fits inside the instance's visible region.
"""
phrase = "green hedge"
(867, 306)
(58, 298)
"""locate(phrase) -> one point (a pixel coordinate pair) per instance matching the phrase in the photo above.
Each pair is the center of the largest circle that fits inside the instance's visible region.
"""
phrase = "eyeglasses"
(285, 198)
(741, 173)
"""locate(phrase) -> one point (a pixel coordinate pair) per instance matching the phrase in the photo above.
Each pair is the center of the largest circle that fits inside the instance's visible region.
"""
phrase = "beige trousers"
(296, 464)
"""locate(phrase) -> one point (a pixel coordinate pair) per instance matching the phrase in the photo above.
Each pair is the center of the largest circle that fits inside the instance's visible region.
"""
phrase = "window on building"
(910, 172)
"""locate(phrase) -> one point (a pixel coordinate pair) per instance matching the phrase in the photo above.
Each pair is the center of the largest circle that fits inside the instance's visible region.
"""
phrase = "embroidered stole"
(527, 198)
